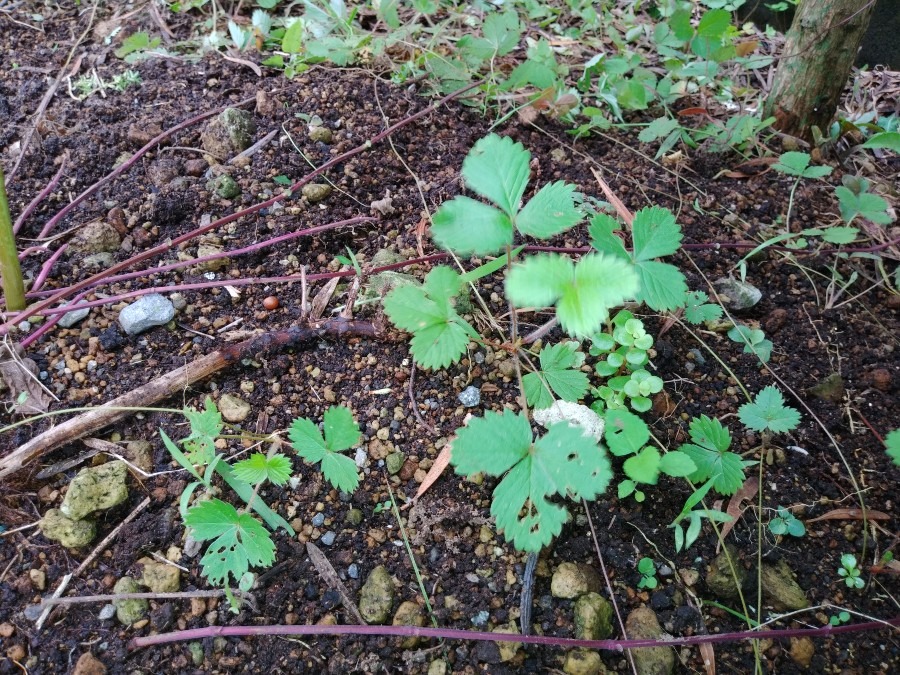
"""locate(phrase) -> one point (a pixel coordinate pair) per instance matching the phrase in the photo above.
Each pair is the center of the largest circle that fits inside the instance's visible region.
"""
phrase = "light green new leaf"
(644, 466)
(206, 425)
(341, 472)
(239, 541)
(502, 31)
(724, 469)
(769, 413)
(341, 430)
(497, 169)
(341, 433)
(258, 467)
(884, 139)
(840, 235)
(662, 286)
(677, 464)
(655, 233)
(792, 163)
(307, 440)
(657, 129)
(710, 433)
(551, 211)
(538, 280)
(466, 226)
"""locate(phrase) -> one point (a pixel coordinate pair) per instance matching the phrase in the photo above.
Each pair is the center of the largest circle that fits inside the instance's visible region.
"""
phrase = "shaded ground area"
(472, 575)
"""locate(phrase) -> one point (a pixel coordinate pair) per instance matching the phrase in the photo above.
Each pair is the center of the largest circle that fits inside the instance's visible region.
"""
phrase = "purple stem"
(37, 200)
(51, 322)
(50, 224)
(45, 270)
(484, 636)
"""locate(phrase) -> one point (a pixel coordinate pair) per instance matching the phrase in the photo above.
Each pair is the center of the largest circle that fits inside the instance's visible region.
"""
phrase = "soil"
(466, 567)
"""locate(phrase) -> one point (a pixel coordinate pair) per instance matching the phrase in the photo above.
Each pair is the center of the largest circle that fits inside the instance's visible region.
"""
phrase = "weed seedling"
(341, 433)
(648, 574)
(838, 619)
(786, 523)
(850, 571)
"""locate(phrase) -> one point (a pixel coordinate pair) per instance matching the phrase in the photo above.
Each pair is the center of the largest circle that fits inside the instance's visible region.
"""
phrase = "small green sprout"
(341, 433)
(838, 619)
(786, 523)
(648, 574)
(850, 571)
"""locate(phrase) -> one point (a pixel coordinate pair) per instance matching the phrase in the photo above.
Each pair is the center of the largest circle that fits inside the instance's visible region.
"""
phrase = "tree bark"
(821, 47)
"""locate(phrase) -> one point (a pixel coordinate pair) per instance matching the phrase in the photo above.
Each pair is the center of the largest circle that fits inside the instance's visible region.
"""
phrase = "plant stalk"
(10, 269)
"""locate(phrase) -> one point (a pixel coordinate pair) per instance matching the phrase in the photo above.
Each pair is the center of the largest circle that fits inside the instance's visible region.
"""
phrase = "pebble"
(69, 319)
(328, 538)
(481, 618)
(148, 311)
(107, 612)
(361, 457)
(318, 520)
(470, 396)
(353, 571)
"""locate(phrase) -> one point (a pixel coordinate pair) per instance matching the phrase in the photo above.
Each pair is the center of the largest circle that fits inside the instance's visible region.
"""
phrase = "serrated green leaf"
(769, 413)
(655, 233)
(710, 433)
(724, 469)
(466, 226)
(840, 235)
(238, 540)
(625, 432)
(493, 443)
(677, 464)
(644, 466)
(258, 467)
(792, 163)
(341, 430)
(892, 443)
(292, 42)
(559, 368)
(497, 169)
(206, 425)
(440, 345)
(307, 440)
(714, 23)
(697, 312)
(869, 206)
(502, 31)
(601, 231)
(340, 471)
(442, 283)
(551, 211)
(658, 128)
(662, 286)
(583, 292)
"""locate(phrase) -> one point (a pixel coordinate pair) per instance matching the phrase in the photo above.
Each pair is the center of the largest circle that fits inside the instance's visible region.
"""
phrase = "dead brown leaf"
(851, 514)
(735, 505)
(21, 376)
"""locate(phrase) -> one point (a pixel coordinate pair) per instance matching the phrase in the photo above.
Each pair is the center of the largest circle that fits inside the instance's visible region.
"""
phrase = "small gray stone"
(377, 596)
(69, 319)
(574, 414)
(229, 133)
(740, 294)
(107, 612)
(132, 610)
(70, 533)
(234, 409)
(470, 396)
(315, 192)
(95, 489)
(481, 618)
(96, 237)
(145, 313)
(318, 520)
(328, 538)
(361, 457)
(100, 261)
(353, 571)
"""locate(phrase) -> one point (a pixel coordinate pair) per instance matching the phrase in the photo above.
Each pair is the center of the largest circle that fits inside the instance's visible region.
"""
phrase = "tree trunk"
(821, 47)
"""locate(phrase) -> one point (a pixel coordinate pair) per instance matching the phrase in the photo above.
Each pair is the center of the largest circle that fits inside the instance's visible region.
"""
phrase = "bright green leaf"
(657, 129)
(469, 227)
(497, 168)
(625, 432)
(258, 467)
(655, 233)
(502, 31)
(644, 466)
(341, 430)
(769, 413)
(559, 369)
(677, 464)
(884, 139)
(603, 239)
(892, 442)
(551, 211)
(662, 286)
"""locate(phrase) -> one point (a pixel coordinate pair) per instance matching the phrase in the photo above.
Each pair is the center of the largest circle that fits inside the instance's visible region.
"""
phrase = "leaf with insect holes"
(551, 211)
(892, 442)
(440, 335)
(560, 365)
(206, 425)
(561, 463)
(238, 540)
(709, 451)
(583, 292)
(697, 310)
(258, 467)
(497, 169)
(341, 433)
(769, 413)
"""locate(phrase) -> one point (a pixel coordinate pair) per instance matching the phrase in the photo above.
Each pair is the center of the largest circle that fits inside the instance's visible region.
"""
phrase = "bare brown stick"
(171, 383)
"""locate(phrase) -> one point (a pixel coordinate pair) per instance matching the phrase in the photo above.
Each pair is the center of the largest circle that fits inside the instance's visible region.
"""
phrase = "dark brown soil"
(466, 567)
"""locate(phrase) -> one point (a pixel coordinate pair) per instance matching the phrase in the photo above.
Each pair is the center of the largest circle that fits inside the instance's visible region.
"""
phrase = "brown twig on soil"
(171, 383)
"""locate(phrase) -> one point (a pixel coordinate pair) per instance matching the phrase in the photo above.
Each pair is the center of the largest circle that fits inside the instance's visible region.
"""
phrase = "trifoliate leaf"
(206, 425)
(625, 432)
(696, 311)
(258, 467)
(559, 369)
(754, 341)
(655, 233)
(502, 31)
(466, 226)
(561, 463)
(710, 433)
(341, 433)
(551, 211)
(769, 413)
(869, 206)
(239, 541)
(792, 163)
(892, 441)
(663, 286)
(440, 335)
(725, 469)
(497, 169)
(657, 129)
